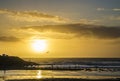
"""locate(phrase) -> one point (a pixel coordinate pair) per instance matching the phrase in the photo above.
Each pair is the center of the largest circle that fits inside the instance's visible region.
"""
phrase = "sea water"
(110, 71)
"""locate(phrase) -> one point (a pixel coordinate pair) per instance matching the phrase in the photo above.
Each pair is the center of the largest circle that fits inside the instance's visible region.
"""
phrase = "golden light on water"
(39, 74)
(39, 45)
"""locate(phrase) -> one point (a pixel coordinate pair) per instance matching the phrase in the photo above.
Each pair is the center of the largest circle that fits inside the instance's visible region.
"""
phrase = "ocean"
(87, 68)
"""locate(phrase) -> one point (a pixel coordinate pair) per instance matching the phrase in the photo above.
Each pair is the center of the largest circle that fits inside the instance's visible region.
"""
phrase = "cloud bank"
(80, 30)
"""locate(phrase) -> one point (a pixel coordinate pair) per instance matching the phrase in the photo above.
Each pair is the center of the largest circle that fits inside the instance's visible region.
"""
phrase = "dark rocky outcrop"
(13, 62)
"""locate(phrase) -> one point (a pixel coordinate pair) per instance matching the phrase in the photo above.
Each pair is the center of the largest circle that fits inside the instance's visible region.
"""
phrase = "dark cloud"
(8, 39)
(81, 30)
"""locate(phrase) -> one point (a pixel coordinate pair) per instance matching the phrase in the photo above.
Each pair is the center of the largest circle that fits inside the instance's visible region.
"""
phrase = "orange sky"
(71, 28)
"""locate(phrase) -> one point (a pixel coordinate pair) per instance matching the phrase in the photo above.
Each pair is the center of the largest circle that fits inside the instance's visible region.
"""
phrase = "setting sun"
(39, 45)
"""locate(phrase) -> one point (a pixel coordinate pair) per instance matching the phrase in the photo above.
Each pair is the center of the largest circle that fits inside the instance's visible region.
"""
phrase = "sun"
(39, 45)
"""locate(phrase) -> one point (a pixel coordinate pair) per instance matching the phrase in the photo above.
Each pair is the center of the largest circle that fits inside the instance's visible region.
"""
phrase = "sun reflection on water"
(39, 74)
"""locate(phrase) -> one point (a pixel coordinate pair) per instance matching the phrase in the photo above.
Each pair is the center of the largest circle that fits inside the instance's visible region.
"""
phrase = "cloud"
(31, 16)
(80, 30)
(103, 9)
(116, 9)
(9, 39)
(100, 9)
(87, 21)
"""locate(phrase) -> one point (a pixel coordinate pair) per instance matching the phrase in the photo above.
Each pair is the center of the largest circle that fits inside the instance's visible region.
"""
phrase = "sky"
(69, 28)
